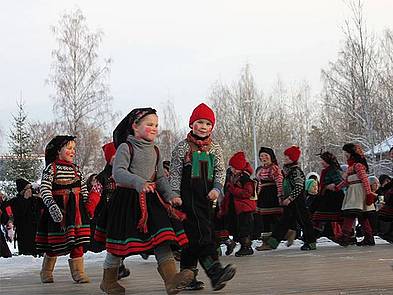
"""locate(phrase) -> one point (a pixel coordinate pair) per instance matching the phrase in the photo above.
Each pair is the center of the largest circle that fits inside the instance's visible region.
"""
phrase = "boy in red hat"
(239, 202)
(197, 174)
(293, 202)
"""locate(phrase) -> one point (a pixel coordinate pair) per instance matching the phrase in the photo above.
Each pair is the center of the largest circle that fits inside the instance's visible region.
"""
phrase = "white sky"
(175, 49)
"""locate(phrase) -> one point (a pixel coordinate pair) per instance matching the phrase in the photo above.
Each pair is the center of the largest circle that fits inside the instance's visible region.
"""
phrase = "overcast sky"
(175, 49)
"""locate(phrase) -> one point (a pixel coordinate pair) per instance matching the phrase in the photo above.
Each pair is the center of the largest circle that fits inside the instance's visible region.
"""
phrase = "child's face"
(346, 155)
(147, 128)
(314, 189)
(235, 171)
(287, 160)
(324, 164)
(374, 186)
(265, 159)
(202, 127)
(67, 152)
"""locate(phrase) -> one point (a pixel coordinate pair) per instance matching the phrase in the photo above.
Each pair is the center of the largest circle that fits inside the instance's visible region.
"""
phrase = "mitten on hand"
(370, 199)
(55, 213)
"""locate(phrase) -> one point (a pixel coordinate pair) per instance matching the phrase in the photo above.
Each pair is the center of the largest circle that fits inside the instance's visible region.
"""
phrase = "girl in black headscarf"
(64, 226)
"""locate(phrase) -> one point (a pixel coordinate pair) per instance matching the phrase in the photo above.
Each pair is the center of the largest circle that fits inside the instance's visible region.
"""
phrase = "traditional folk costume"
(64, 226)
(358, 197)
(138, 222)
(329, 203)
(239, 203)
(197, 167)
(269, 191)
(295, 212)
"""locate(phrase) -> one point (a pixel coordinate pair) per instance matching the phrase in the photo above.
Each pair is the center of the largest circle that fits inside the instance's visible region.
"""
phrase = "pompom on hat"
(202, 111)
(293, 153)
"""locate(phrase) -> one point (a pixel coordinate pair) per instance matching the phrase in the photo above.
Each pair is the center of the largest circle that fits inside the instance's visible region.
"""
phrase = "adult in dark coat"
(26, 208)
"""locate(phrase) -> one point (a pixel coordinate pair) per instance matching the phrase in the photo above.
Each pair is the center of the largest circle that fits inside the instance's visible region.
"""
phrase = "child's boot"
(245, 248)
(77, 268)
(174, 282)
(218, 275)
(48, 264)
(195, 285)
(109, 283)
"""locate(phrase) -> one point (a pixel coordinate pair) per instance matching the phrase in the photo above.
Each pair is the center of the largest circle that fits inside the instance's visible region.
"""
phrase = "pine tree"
(21, 163)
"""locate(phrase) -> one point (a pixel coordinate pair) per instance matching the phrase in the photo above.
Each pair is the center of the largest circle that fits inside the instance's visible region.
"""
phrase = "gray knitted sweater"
(142, 167)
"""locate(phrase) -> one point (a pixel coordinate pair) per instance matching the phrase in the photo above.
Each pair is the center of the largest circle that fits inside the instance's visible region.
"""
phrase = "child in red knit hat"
(197, 174)
(293, 202)
(239, 204)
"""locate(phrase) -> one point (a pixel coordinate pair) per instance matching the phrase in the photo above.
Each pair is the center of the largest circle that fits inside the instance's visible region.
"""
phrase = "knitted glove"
(92, 202)
(55, 213)
(370, 199)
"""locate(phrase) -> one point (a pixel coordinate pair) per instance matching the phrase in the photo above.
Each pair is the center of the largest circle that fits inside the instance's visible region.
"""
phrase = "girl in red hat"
(197, 173)
(64, 226)
(239, 202)
(293, 202)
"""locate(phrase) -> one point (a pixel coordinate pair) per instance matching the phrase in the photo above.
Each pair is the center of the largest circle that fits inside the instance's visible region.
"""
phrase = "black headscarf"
(54, 146)
(124, 128)
(21, 184)
(330, 159)
(356, 152)
(270, 152)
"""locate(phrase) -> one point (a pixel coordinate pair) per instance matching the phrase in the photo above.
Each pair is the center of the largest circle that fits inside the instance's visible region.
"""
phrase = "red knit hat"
(202, 111)
(293, 153)
(238, 161)
(109, 151)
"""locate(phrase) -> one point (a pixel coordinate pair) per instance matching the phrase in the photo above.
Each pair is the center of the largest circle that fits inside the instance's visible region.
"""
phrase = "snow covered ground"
(16, 264)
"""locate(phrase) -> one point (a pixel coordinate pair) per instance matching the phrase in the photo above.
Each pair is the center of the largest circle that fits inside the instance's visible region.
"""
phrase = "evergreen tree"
(21, 163)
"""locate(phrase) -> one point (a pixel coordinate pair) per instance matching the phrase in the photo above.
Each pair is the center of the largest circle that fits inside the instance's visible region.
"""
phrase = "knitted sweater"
(178, 162)
(135, 173)
(62, 173)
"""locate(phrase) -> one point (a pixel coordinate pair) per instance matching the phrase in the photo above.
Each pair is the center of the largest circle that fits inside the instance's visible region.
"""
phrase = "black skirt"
(117, 227)
(328, 206)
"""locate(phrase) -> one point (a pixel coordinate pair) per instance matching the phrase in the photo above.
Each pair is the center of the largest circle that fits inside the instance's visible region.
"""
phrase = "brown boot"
(264, 242)
(78, 270)
(174, 282)
(291, 235)
(109, 282)
(48, 264)
(264, 247)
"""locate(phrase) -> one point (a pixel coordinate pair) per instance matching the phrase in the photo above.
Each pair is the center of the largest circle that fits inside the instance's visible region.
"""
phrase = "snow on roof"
(382, 147)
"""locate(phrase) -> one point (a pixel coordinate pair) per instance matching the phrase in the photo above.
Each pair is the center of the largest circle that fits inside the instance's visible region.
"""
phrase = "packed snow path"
(329, 270)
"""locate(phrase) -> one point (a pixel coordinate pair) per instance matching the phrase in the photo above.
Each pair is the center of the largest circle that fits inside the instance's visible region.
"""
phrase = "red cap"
(238, 161)
(109, 151)
(293, 153)
(202, 111)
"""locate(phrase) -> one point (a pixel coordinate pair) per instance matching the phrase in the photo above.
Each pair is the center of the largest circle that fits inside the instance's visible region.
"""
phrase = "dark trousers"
(191, 254)
(244, 225)
(295, 213)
